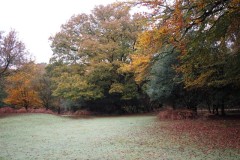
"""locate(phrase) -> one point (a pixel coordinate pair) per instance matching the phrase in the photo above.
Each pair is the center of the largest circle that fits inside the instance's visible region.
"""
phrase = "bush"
(40, 110)
(21, 110)
(83, 112)
(7, 110)
(177, 114)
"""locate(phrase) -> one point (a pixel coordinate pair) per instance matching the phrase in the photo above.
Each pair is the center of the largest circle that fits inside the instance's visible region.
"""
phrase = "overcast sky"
(36, 20)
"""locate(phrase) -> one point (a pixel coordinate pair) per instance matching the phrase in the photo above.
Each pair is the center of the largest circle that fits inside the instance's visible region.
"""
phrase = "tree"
(20, 89)
(162, 81)
(205, 33)
(2, 91)
(42, 85)
(12, 52)
(92, 48)
(193, 27)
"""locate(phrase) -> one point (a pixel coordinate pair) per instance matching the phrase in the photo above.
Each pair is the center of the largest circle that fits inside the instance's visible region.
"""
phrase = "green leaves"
(88, 52)
(161, 84)
(74, 87)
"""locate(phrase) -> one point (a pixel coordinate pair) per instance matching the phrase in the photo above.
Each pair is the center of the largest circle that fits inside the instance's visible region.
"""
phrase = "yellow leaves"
(197, 21)
(144, 39)
(125, 68)
(73, 86)
(139, 66)
(116, 88)
(149, 42)
(199, 81)
(171, 39)
(67, 83)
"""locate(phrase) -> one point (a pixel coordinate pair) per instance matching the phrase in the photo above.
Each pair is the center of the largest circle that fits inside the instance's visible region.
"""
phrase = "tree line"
(182, 54)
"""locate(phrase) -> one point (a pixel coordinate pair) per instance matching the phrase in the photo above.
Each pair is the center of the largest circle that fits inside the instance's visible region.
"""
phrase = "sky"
(36, 20)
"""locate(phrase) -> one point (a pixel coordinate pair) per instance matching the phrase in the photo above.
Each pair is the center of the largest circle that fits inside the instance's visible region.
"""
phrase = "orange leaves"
(20, 88)
(177, 14)
(149, 42)
(234, 4)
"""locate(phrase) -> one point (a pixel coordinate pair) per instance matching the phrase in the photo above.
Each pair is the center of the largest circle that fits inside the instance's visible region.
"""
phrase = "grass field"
(43, 136)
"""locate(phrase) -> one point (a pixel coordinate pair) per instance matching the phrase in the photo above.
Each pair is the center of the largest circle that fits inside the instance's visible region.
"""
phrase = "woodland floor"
(45, 136)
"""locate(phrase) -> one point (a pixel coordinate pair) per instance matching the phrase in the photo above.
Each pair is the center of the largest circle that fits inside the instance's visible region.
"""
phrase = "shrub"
(83, 112)
(7, 110)
(40, 110)
(177, 114)
(21, 110)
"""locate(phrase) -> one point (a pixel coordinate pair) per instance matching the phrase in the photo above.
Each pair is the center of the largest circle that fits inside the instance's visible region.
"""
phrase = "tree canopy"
(12, 52)
(20, 87)
(183, 52)
(90, 49)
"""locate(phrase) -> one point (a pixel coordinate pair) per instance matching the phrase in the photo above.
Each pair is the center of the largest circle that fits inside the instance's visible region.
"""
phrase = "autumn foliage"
(204, 37)
(20, 88)
(182, 53)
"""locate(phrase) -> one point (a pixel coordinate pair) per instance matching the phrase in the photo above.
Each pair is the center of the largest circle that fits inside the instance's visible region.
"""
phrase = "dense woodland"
(181, 54)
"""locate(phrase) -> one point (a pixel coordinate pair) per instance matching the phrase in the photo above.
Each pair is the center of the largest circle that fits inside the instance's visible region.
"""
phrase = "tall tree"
(12, 52)
(162, 84)
(42, 85)
(205, 33)
(97, 44)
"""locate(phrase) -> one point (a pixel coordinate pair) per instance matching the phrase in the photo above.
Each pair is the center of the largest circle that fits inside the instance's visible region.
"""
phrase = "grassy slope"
(40, 136)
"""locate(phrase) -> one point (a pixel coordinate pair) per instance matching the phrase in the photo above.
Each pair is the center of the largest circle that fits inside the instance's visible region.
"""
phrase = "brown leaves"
(208, 135)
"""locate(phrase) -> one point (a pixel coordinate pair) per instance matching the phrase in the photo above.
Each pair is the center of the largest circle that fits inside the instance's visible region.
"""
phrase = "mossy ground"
(43, 136)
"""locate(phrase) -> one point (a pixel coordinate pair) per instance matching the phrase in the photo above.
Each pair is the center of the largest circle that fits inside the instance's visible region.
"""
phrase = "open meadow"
(45, 136)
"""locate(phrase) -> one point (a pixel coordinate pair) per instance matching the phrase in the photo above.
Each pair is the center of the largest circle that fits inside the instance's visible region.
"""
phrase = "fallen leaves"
(208, 135)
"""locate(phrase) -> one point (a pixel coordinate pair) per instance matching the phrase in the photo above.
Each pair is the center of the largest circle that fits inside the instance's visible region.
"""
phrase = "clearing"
(45, 136)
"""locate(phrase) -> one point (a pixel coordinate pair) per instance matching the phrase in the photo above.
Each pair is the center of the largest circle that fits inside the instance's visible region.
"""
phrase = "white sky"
(37, 20)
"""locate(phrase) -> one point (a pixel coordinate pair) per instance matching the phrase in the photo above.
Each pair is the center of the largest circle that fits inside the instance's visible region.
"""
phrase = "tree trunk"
(26, 107)
(209, 109)
(59, 110)
(223, 108)
(173, 106)
(217, 113)
(215, 108)
(47, 107)
(208, 105)
(25, 104)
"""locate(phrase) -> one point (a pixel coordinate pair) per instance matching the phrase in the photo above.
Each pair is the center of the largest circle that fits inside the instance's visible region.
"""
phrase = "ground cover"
(45, 136)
